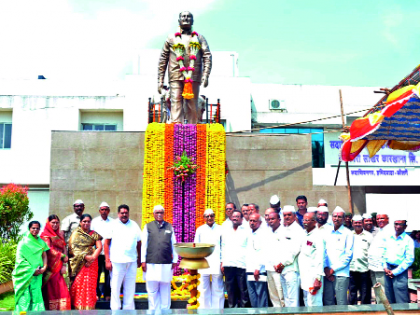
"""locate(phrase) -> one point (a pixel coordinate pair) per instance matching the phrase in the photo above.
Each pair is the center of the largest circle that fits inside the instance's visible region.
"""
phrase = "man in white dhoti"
(311, 262)
(122, 258)
(212, 290)
(158, 259)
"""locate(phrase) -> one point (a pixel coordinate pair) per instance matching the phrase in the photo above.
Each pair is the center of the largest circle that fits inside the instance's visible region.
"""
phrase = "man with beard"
(291, 235)
(72, 221)
(347, 221)
(339, 245)
(255, 263)
(368, 224)
(275, 245)
(359, 270)
(398, 256)
(234, 244)
(311, 262)
(230, 207)
(376, 250)
(301, 203)
(322, 218)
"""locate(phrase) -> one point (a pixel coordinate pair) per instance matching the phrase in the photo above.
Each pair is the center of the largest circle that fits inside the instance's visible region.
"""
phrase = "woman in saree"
(31, 263)
(54, 287)
(84, 264)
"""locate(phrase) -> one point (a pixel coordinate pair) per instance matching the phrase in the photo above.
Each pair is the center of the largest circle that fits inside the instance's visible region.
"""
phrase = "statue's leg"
(177, 114)
(191, 113)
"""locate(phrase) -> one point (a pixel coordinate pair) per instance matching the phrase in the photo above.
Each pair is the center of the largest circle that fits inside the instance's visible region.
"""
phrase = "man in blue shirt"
(301, 203)
(399, 256)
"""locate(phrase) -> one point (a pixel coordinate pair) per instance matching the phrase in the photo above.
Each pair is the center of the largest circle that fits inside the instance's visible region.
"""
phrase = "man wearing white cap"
(322, 215)
(359, 267)
(368, 224)
(339, 247)
(275, 203)
(158, 259)
(377, 249)
(399, 256)
(122, 258)
(72, 221)
(102, 224)
(291, 236)
(212, 292)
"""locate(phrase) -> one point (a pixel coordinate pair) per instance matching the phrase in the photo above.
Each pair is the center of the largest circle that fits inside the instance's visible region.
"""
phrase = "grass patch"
(7, 301)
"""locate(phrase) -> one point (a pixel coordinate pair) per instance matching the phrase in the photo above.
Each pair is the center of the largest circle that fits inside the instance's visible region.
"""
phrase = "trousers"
(106, 289)
(313, 300)
(212, 292)
(258, 293)
(159, 295)
(290, 283)
(274, 289)
(378, 276)
(396, 289)
(336, 290)
(178, 112)
(236, 287)
(123, 274)
(360, 282)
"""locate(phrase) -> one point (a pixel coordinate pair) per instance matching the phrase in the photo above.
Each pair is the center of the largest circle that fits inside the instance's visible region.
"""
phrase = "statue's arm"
(163, 63)
(207, 59)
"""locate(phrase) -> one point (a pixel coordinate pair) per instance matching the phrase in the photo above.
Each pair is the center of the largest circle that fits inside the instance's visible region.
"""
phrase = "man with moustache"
(246, 212)
(211, 284)
(159, 258)
(347, 221)
(122, 258)
(377, 249)
(275, 203)
(302, 203)
(274, 243)
(398, 256)
(291, 236)
(322, 219)
(230, 207)
(359, 269)
(368, 224)
(267, 212)
(311, 262)
(234, 244)
(255, 261)
(339, 247)
(72, 221)
(101, 224)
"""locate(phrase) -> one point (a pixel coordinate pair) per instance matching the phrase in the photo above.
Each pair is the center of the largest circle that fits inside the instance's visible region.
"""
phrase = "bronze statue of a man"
(189, 59)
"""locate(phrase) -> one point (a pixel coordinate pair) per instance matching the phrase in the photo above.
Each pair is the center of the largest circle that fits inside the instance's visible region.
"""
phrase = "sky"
(324, 42)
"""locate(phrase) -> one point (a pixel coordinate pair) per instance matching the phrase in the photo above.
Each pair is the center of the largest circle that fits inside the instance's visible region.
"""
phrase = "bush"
(7, 259)
(416, 264)
(14, 210)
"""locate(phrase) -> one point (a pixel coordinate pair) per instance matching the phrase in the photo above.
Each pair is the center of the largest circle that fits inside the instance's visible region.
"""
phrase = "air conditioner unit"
(276, 104)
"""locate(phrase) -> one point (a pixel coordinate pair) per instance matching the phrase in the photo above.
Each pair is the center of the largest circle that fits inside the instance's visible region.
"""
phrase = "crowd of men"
(287, 256)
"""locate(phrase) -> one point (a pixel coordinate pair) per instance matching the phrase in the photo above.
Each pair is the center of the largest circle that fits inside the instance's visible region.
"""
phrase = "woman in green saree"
(31, 263)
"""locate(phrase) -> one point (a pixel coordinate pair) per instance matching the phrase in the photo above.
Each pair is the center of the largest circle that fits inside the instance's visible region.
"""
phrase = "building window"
(318, 153)
(5, 135)
(99, 127)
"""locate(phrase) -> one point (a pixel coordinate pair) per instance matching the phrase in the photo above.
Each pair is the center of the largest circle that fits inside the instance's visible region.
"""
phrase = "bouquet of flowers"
(183, 166)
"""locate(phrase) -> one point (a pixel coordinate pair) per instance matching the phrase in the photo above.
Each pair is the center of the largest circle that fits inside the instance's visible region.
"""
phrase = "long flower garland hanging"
(179, 49)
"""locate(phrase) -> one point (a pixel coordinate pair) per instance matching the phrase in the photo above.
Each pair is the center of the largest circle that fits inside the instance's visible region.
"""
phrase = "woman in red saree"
(54, 289)
(84, 264)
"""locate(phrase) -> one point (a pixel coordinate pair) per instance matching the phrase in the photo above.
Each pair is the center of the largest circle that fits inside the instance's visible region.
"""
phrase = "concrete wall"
(96, 167)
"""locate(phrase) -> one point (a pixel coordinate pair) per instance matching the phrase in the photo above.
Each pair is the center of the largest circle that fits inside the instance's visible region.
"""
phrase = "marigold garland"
(169, 175)
(200, 201)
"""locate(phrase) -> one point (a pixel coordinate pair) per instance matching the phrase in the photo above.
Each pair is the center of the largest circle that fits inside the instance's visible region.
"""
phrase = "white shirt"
(124, 239)
(273, 249)
(227, 223)
(377, 248)
(211, 235)
(102, 227)
(234, 244)
(339, 245)
(69, 224)
(311, 258)
(362, 241)
(256, 250)
(157, 272)
(291, 240)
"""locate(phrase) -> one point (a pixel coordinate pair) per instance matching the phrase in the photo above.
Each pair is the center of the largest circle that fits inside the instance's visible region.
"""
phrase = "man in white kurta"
(291, 236)
(211, 284)
(158, 260)
(122, 258)
(311, 262)
(230, 207)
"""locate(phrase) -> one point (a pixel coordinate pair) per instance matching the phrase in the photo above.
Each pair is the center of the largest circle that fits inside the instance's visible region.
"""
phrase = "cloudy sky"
(359, 43)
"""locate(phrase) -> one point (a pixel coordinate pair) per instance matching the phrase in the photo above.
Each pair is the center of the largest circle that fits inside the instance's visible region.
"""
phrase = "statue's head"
(186, 19)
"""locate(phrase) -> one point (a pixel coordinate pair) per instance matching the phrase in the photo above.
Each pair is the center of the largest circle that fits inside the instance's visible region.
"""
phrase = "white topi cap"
(400, 217)
(312, 209)
(289, 209)
(78, 202)
(366, 216)
(322, 201)
(158, 207)
(357, 217)
(274, 200)
(323, 209)
(103, 204)
(208, 211)
(339, 209)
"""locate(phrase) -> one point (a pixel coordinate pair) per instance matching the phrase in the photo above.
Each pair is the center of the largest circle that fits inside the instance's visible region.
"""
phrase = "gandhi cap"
(103, 204)
(312, 209)
(323, 209)
(322, 201)
(78, 202)
(366, 216)
(289, 209)
(274, 200)
(338, 209)
(357, 217)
